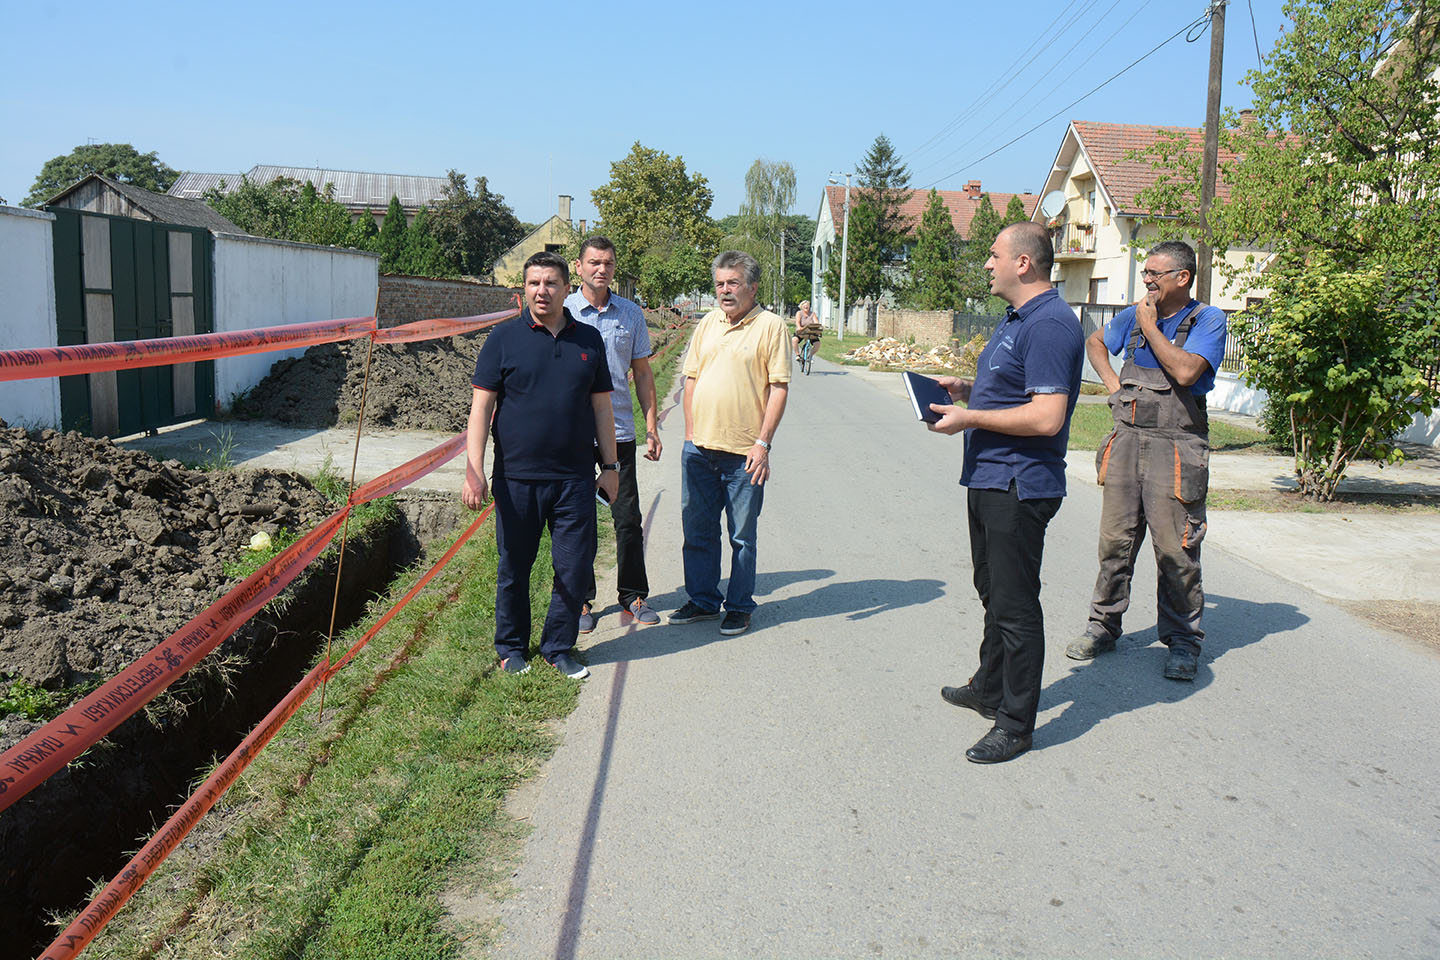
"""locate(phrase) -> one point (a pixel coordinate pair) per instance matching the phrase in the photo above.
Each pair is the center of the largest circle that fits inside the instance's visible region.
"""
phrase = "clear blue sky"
(542, 98)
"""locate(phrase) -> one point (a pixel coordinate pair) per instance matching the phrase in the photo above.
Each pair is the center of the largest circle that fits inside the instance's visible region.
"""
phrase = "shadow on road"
(1130, 678)
(856, 600)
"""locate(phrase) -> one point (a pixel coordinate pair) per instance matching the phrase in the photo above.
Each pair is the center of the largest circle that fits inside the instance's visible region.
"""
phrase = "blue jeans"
(711, 481)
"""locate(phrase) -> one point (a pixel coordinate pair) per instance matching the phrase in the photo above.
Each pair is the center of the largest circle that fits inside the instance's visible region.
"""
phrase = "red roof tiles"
(961, 204)
(1108, 143)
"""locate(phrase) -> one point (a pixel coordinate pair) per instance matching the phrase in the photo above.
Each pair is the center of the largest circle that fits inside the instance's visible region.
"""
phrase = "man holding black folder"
(1017, 426)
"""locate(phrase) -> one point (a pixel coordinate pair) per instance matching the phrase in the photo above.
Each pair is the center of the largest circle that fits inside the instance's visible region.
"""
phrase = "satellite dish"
(1052, 203)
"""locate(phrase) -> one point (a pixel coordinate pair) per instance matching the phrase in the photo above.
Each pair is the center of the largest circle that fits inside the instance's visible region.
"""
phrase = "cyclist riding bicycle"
(807, 327)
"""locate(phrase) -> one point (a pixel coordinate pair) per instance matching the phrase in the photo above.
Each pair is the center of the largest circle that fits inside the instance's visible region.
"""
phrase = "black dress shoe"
(997, 746)
(965, 697)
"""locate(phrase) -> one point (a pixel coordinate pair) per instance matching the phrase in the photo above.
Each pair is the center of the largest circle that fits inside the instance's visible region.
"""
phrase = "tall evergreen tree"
(885, 185)
(987, 222)
(863, 277)
(1015, 210)
(423, 255)
(934, 269)
(391, 242)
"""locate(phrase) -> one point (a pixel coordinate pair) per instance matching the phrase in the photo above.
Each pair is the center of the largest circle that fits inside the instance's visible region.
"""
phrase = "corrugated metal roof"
(352, 188)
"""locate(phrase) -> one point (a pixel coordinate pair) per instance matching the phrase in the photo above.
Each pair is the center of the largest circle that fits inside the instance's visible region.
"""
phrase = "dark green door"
(118, 278)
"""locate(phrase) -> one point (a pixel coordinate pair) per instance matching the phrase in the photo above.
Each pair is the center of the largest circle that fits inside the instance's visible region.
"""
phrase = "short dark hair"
(737, 260)
(1033, 240)
(1180, 254)
(598, 242)
(546, 258)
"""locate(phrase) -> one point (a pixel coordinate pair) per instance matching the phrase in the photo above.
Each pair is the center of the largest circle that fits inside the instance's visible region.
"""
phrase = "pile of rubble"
(889, 352)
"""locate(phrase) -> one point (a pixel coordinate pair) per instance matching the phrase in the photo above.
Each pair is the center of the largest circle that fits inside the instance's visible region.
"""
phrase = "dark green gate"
(117, 278)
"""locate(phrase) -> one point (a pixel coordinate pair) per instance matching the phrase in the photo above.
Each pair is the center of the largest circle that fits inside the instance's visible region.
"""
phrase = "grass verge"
(1093, 422)
(341, 839)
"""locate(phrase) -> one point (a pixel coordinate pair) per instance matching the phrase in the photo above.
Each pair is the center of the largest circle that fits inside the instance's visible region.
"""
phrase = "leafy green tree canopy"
(769, 195)
(863, 275)
(934, 268)
(651, 204)
(987, 223)
(285, 209)
(474, 229)
(118, 161)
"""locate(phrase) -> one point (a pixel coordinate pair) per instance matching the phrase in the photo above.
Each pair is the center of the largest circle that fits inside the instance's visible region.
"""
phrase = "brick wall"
(403, 299)
(930, 328)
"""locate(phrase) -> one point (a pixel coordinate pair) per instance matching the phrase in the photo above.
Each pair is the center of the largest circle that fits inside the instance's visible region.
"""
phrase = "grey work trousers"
(1155, 479)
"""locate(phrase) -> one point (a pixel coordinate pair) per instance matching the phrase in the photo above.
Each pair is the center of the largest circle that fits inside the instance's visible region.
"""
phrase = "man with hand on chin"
(544, 379)
(627, 351)
(1154, 470)
(737, 378)
(1016, 428)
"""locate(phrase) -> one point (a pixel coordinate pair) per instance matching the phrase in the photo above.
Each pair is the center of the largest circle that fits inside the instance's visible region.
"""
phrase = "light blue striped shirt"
(622, 325)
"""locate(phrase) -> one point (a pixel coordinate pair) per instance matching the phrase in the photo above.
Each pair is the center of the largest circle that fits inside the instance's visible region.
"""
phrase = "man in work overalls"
(1155, 467)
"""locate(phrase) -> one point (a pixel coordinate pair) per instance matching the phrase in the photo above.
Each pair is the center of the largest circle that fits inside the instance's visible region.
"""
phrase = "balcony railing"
(1074, 240)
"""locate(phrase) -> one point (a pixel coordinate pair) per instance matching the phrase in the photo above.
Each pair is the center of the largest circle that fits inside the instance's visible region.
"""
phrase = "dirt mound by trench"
(104, 550)
(413, 386)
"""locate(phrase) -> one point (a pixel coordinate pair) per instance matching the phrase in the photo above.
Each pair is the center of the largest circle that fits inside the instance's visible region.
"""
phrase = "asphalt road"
(801, 790)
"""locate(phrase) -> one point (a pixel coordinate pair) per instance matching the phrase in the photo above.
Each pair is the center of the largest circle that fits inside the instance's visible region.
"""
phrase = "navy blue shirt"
(544, 426)
(1036, 349)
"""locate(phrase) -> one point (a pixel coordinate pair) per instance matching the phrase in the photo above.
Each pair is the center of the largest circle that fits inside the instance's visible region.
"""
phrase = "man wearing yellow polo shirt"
(737, 375)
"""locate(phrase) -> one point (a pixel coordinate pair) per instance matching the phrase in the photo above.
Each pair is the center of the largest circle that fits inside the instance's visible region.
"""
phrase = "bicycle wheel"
(807, 353)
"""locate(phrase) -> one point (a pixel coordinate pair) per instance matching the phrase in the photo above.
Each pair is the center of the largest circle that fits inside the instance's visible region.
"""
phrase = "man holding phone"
(627, 353)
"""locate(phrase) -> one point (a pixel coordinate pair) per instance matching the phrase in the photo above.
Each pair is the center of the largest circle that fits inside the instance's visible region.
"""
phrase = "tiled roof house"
(830, 223)
(1097, 232)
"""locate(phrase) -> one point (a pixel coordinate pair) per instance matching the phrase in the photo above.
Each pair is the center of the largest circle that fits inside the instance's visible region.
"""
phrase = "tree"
(769, 195)
(885, 184)
(285, 209)
(118, 161)
(423, 255)
(1335, 176)
(391, 242)
(1015, 211)
(799, 258)
(668, 270)
(473, 230)
(934, 269)
(863, 276)
(974, 282)
(651, 204)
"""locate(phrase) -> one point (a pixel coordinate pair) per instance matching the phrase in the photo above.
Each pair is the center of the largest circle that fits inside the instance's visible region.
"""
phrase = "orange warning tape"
(27, 764)
(441, 327)
(86, 926)
(130, 354)
(103, 908)
(408, 472)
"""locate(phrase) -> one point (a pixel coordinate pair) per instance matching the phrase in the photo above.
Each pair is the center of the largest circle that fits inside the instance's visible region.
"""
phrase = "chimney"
(565, 199)
(582, 228)
(1247, 118)
(972, 189)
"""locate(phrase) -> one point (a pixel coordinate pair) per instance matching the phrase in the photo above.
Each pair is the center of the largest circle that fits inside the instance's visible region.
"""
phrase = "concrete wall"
(267, 283)
(403, 299)
(27, 312)
(1233, 394)
(930, 328)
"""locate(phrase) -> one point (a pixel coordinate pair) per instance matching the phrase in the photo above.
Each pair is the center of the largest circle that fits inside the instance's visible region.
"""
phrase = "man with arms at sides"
(737, 378)
(544, 379)
(1154, 469)
(627, 350)
(1016, 430)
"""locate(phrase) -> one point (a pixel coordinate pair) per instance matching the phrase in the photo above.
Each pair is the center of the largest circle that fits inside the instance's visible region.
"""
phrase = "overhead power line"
(1085, 96)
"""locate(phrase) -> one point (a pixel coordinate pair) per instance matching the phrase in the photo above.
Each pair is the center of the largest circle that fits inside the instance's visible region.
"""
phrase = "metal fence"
(966, 326)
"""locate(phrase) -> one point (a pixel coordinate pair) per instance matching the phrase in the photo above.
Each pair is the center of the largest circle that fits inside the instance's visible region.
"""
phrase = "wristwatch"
(611, 466)
(764, 444)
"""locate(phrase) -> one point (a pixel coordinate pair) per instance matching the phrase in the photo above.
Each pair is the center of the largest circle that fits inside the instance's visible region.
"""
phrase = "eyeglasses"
(1157, 274)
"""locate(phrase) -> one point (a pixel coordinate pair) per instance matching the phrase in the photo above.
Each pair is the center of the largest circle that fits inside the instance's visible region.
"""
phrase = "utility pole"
(1204, 255)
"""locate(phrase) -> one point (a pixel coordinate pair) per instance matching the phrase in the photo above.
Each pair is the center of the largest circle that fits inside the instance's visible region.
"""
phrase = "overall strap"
(1187, 320)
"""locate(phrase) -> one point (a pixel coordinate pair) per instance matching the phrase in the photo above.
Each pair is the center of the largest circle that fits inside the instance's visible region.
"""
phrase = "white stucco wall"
(27, 312)
(268, 283)
(1235, 395)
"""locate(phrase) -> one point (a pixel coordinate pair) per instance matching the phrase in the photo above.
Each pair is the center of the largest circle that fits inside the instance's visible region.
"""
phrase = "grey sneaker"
(1182, 663)
(643, 613)
(1089, 646)
(734, 624)
(515, 664)
(587, 619)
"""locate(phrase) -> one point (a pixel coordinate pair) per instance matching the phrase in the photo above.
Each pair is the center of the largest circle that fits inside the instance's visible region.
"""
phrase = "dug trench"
(103, 553)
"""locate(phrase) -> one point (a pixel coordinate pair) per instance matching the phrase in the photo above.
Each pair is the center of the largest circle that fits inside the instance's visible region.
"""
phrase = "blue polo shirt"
(544, 427)
(627, 339)
(1036, 349)
(1206, 339)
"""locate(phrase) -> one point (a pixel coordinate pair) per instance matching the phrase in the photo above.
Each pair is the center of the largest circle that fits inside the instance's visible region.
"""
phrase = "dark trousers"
(523, 509)
(1007, 540)
(631, 583)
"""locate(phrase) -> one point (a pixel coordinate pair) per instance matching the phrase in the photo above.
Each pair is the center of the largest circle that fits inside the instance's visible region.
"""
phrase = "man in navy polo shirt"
(544, 379)
(1016, 428)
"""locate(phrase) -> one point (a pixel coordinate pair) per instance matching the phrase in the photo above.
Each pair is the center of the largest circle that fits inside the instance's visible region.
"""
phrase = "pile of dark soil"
(106, 551)
(413, 386)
